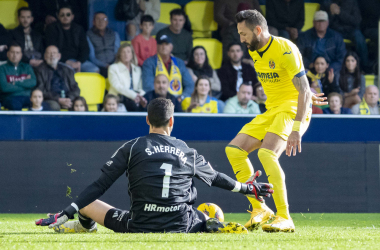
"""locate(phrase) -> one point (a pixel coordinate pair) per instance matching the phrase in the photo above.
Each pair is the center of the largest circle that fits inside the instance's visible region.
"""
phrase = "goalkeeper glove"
(58, 218)
(258, 189)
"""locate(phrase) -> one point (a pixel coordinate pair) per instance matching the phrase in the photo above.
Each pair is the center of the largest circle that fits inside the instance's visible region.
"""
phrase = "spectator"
(144, 44)
(147, 7)
(125, 78)
(242, 103)
(103, 43)
(371, 15)
(37, 101)
(234, 72)
(5, 39)
(201, 100)
(345, 18)
(224, 12)
(180, 83)
(259, 96)
(16, 80)
(351, 80)
(111, 104)
(79, 104)
(161, 86)
(285, 17)
(322, 78)
(30, 40)
(182, 39)
(198, 66)
(370, 102)
(56, 81)
(335, 102)
(70, 39)
(322, 41)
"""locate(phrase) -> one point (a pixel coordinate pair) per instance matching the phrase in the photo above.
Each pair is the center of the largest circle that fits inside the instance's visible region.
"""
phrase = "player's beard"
(254, 44)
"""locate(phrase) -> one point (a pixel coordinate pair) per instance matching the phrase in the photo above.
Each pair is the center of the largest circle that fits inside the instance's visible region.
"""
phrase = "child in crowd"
(144, 44)
(111, 104)
(335, 101)
(36, 101)
(351, 81)
(321, 78)
(79, 104)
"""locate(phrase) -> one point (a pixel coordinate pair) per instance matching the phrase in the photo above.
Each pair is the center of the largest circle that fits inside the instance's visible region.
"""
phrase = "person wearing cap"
(182, 39)
(180, 82)
(345, 18)
(322, 41)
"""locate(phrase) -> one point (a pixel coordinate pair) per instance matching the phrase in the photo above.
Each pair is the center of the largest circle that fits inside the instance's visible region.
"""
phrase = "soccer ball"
(212, 211)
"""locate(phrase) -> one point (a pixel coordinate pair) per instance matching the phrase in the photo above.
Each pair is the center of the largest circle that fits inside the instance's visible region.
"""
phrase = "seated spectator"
(322, 41)
(345, 18)
(335, 101)
(224, 12)
(56, 80)
(180, 83)
(259, 96)
(201, 100)
(242, 103)
(111, 104)
(70, 39)
(125, 80)
(103, 43)
(5, 39)
(234, 72)
(37, 101)
(17, 79)
(198, 66)
(30, 40)
(79, 104)
(370, 103)
(182, 39)
(147, 7)
(161, 86)
(351, 81)
(322, 78)
(285, 17)
(144, 44)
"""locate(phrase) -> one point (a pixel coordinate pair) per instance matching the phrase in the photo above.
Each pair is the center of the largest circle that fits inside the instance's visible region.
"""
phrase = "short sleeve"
(203, 169)
(291, 60)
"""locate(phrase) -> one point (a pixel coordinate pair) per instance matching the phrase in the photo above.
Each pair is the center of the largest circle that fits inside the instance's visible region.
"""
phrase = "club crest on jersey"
(272, 65)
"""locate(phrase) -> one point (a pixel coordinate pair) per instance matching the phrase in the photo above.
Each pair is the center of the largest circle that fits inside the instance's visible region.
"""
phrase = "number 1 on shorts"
(166, 184)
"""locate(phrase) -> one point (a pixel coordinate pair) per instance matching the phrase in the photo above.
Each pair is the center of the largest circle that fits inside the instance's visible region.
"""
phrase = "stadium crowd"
(40, 57)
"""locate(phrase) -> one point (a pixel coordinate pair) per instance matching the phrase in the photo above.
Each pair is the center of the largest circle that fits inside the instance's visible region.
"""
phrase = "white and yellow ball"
(212, 210)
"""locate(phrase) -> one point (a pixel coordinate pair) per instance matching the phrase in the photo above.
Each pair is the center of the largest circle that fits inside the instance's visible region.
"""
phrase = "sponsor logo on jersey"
(155, 208)
(167, 149)
(268, 75)
(272, 65)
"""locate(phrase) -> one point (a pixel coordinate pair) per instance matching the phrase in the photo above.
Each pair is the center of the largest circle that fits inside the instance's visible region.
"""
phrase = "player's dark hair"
(344, 74)
(24, 9)
(233, 44)
(147, 19)
(252, 19)
(177, 12)
(159, 112)
(194, 95)
(80, 98)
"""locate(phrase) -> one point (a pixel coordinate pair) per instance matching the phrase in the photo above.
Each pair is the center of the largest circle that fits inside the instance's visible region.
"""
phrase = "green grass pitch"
(313, 231)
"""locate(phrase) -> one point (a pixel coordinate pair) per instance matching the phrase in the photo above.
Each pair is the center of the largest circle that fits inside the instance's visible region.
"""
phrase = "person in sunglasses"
(70, 39)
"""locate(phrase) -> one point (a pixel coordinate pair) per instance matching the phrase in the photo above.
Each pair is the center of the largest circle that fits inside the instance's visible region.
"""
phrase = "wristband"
(297, 126)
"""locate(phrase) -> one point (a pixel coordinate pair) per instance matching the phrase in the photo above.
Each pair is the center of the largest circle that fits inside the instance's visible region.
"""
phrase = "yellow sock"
(276, 176)
(242, 167)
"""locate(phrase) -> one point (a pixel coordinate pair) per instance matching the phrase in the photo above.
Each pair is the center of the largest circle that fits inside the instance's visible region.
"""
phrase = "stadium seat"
(370, 80)
(214, 50)
(310, 9)
(92, 87)
(201, 16)
(264, 9)
(8, 10)
(165, 12)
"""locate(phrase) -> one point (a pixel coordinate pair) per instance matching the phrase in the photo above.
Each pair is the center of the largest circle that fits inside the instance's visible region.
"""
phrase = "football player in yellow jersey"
(279, 67)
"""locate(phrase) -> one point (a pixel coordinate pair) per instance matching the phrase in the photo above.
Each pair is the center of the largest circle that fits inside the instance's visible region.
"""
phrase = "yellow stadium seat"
(165, 12)
(264, 9)
(92, 87)
(214, 50)
(310, 9)
(107, 85)
(201, 16)
(8, 12)
(370, 80)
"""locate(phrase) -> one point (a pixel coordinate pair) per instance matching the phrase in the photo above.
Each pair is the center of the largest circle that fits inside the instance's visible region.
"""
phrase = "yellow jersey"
(276, 65)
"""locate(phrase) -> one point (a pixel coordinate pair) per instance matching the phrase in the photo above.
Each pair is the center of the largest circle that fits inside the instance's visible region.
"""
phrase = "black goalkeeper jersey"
(160, 170)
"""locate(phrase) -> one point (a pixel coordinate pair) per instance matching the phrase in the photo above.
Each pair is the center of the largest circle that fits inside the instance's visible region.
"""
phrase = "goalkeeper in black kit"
(160, 169)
